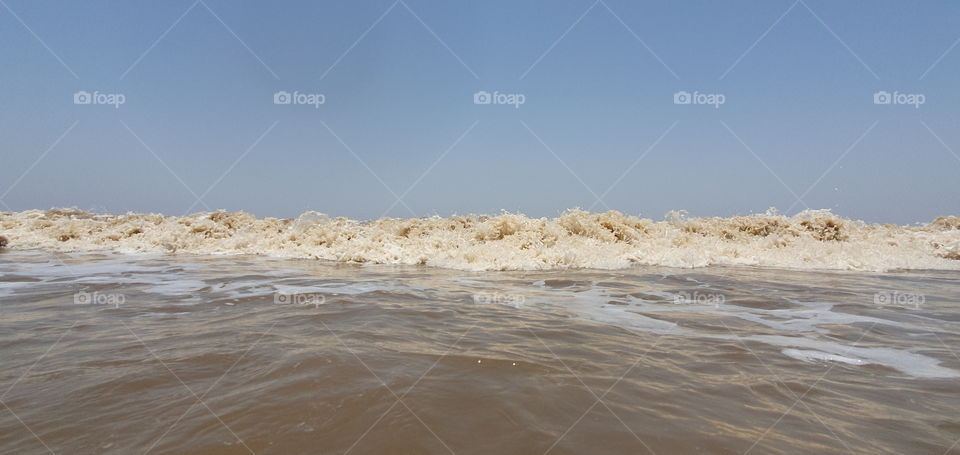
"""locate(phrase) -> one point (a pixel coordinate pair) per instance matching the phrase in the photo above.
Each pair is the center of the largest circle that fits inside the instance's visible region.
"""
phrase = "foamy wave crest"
(576, 239)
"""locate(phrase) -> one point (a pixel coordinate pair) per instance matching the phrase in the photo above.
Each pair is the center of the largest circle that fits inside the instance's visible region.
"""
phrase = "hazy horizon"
(410, 108)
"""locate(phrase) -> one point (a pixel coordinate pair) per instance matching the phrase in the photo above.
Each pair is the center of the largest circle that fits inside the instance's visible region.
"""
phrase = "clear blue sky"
(598, 79)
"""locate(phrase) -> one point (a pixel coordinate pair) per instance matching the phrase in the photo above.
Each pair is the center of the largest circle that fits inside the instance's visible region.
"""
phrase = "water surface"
(113, 353)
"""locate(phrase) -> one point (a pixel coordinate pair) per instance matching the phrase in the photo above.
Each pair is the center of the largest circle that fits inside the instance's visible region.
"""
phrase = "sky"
(378, 108)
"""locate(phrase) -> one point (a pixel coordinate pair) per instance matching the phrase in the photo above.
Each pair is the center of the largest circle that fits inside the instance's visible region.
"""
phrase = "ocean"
(222, 333)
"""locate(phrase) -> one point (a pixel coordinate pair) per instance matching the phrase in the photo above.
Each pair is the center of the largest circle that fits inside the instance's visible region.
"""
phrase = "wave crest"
(816, 239)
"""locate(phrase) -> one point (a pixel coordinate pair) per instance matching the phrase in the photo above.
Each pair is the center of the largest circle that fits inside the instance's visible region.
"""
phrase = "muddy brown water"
(111, 353)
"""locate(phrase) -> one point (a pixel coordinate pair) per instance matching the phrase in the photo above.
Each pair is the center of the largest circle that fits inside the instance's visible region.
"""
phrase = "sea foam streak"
(576, 239)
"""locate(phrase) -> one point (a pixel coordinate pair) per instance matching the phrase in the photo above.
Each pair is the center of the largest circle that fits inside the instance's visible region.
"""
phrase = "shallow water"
(113, 353)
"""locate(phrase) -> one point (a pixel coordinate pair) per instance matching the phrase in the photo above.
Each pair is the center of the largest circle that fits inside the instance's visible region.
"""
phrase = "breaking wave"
(816, 239)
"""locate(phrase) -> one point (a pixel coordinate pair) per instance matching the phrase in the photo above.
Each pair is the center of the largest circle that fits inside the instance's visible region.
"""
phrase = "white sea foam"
(810, 356)
(910, 363)
(808, 323)
(576, 239)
